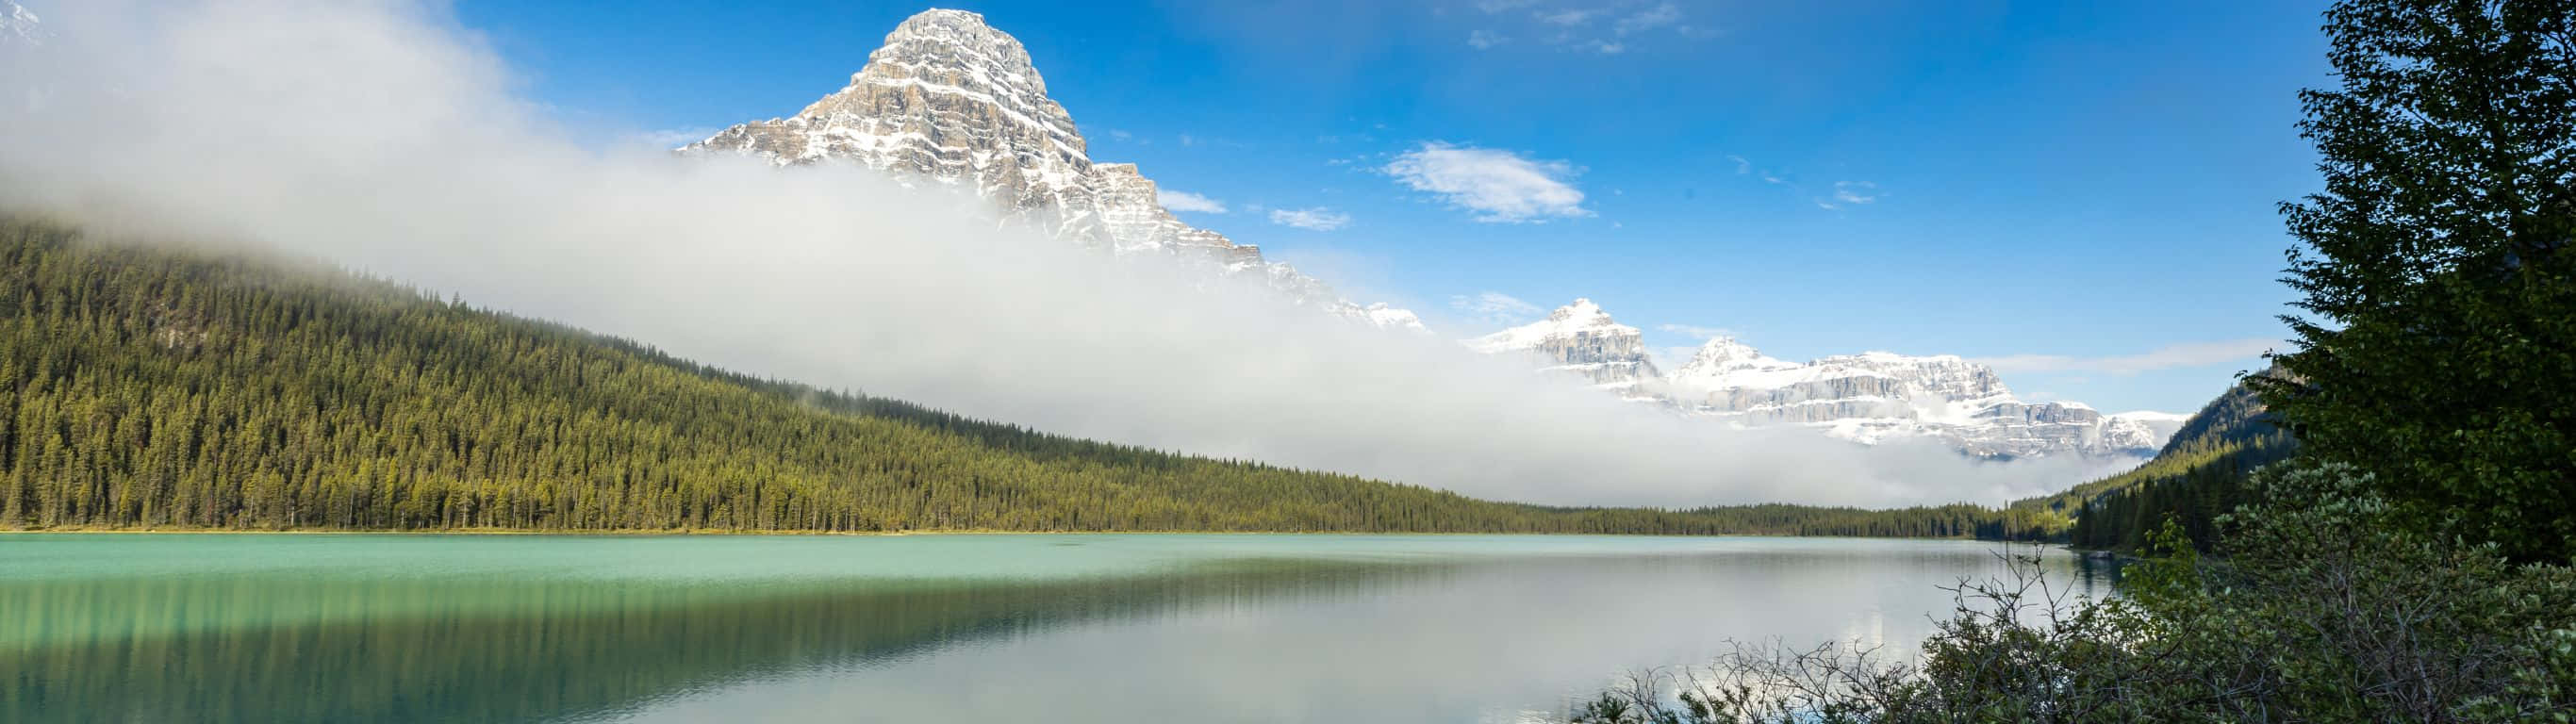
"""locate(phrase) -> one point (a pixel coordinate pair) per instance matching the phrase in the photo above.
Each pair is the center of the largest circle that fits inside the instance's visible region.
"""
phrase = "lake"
(1056, 628)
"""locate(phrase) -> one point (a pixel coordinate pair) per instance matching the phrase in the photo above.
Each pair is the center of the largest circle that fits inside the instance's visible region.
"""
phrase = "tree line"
(2199, 475)
(145, 387)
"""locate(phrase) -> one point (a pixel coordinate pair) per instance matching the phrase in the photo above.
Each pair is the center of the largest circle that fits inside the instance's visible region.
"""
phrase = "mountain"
(1581, 339)
(145, 387)
(1873, 396)
(2197, 475)
(1870, 397)
(18, 26)
(950, 100)
(184, 387)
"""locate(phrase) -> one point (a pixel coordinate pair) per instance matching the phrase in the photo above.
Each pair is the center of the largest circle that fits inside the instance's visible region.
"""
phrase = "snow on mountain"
(1580, 338)
(2159, 426)
(1870, 397)
(952, 100)
(19, 26)
(1391, 318)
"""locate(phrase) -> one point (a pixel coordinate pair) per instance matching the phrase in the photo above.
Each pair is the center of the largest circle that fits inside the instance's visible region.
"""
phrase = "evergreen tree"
(150, 388)
(2435, 263)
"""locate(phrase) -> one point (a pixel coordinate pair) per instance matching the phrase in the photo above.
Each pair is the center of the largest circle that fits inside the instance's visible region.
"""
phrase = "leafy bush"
(2319, 611)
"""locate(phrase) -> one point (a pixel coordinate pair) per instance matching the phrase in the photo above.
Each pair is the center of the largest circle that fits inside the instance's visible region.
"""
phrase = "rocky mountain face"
(950, 100)
(1869, 397)
(18, 26)
(1581, 339)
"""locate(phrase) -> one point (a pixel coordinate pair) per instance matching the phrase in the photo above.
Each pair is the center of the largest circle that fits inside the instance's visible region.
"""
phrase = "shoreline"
(889, 534)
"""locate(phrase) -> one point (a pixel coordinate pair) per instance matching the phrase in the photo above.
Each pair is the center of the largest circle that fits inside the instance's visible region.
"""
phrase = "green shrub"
(2317, 610)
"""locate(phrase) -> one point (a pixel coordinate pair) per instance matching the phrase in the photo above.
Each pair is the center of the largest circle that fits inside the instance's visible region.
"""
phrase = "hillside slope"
(146, 387)
(2198, 475)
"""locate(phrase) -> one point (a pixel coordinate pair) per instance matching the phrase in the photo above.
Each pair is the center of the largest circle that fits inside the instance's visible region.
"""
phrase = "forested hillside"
(149, 387)
(2198, 475)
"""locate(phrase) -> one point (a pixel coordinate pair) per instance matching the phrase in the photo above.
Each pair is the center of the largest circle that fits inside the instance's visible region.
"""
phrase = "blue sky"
(2082, 193)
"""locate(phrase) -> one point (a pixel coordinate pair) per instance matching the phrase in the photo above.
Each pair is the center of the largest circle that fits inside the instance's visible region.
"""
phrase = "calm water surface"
(1056, 628)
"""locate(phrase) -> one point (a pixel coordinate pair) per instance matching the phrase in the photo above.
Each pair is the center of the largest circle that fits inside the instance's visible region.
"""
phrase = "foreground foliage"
(2320, 611)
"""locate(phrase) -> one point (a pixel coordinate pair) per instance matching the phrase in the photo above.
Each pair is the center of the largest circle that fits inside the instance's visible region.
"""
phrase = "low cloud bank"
(385, 137)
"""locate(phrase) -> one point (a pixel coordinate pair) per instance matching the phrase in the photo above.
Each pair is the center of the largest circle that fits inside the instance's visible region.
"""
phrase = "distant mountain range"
(186, 388)
(1870, 397)
(950, 100)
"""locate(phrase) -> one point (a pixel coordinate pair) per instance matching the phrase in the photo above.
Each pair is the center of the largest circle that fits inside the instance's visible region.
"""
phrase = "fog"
(384, 137)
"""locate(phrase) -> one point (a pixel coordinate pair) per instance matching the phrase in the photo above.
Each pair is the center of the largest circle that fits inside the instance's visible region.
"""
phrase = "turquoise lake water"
(976, 628)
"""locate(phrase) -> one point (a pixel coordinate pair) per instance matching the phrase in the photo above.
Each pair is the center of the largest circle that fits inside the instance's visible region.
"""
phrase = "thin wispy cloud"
(1855, 192)
(1311, 219)
(1663, 15)
(1499, 186)
(1742, 166)
(672, 137)
(1494, 308)
(1580, 26)
(1190, 202)
(2176, 356)
(1695, 331)
(1568, 17)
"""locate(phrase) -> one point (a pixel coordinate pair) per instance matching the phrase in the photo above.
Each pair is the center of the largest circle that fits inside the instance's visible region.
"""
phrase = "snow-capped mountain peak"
(1583, 310)
(952, 100)
(1725, 362)
(1582, 318)
(1387, 317)
(1580, 338)
(18, 25)
(1869, 397)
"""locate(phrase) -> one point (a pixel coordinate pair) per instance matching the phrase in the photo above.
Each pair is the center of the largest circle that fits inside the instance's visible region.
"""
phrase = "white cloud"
(1568, 17)
(2188, 354)
(1494, 308)
(1649, 19)
(1742, 166)
(1311, 219)
(267, 120)
(672, 137)
(1483, 39)
(1500, 186)
(1855, 192)
(1186, 201)
(1576, 28)
(1695, 331)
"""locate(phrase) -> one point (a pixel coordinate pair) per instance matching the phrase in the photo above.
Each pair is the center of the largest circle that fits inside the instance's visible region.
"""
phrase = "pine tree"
(2443, 343)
